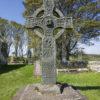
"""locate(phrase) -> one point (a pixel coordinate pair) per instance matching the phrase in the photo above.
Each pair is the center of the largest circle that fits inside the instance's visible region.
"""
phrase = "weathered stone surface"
(48, 22)
(48, 92)
(94, 65)
(37, 68)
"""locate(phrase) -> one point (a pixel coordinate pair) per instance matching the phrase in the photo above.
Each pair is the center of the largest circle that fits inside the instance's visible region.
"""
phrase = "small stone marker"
(37, 69)
(48, 22)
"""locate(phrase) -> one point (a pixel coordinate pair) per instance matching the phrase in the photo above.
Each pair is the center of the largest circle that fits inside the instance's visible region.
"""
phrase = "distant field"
(14, 77)
(92, 57)
(87, 57)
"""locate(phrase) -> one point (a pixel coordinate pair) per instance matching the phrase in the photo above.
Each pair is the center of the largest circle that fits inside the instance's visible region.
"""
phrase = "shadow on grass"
(7, 68)
(84, 88)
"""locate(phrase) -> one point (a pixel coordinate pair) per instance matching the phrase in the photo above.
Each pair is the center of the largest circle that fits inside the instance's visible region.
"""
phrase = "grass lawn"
(13, 78)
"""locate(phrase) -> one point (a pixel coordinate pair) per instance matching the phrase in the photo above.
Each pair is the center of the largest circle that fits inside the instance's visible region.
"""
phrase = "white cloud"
(94, 49)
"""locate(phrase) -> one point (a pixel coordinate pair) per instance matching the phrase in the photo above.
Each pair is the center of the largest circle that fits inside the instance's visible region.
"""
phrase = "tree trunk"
(67, 55)
(3, 54)
(16, 51)
(64, 51)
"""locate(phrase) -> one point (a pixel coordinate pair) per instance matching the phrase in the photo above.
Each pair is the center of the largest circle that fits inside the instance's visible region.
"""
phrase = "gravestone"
(37, 68)
(48, 22)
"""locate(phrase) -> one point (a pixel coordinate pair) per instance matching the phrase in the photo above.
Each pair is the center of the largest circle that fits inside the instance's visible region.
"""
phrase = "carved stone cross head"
(48, 22)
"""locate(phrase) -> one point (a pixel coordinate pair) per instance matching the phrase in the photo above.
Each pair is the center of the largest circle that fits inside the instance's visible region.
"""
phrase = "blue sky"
(13, 9)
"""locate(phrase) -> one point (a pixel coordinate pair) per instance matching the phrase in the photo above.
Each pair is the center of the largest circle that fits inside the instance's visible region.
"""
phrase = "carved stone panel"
(33, 22)
(48, 42)
(49, 71)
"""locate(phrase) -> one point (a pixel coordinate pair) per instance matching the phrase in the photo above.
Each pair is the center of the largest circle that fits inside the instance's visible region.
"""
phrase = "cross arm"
(32, 22)
(38, 34)
(59, 34)
(65, 22)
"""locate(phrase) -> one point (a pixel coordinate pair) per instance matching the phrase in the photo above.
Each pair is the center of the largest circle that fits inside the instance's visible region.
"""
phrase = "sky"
(94, 49)
(13, 10)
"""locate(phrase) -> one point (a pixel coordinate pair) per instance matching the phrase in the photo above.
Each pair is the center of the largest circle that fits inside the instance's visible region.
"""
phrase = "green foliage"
(16, 25)
(34, 40)
(84, 14)
(91, 57)
(3, 23)
(30, 6)
(91, 23)
(88, 7)
(3, 41)
(85, 57)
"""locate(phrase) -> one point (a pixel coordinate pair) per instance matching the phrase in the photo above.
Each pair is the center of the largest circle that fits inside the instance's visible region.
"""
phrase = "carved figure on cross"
(48, 22)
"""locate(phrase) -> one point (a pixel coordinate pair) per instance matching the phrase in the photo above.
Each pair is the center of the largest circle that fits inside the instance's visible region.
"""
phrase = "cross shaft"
(48, 23)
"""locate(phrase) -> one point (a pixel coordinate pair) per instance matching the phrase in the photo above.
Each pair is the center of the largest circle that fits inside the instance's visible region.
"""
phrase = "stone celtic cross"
(48, 22)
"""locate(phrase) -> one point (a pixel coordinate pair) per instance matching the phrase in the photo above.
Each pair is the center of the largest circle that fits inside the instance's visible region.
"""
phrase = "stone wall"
(94, 65)
(73, 64)
(91, 65)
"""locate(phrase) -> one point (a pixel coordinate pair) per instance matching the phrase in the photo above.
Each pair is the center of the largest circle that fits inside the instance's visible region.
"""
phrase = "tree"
(33, 40)
(3, 41)
(31, 6)
(11, 34)
(18, 36)
(84, 13)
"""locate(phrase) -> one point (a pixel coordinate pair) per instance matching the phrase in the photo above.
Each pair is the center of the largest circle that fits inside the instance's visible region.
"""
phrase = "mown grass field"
(13, 78)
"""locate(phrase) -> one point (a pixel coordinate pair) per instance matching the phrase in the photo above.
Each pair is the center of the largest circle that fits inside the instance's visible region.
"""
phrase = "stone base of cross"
(48, 22)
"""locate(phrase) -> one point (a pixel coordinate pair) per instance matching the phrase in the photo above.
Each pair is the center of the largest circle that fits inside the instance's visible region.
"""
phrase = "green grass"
(88, 83)
(13, 79)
